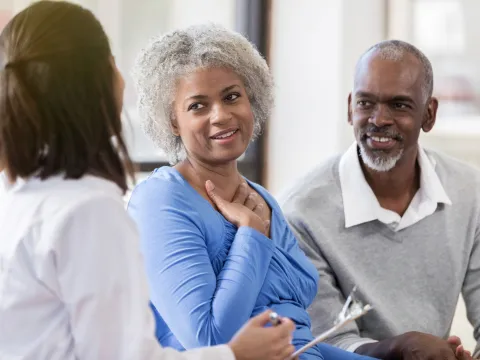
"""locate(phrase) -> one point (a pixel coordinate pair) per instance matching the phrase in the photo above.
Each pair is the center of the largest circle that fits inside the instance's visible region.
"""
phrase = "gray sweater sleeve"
(471, 290)
(329, 300)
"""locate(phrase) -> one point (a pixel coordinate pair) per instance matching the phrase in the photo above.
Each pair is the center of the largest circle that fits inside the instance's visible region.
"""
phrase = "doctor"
(71, 278)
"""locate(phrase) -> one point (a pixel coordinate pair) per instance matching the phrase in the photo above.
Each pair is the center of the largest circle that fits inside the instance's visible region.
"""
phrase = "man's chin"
(380, 160)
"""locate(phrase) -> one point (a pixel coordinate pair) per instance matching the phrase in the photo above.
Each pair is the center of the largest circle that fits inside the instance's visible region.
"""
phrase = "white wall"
(216, 11)
(313, 52)
(305, 54)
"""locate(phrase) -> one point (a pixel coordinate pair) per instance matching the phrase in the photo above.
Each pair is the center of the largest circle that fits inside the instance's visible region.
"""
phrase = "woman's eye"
(232, 97)
(195, 106)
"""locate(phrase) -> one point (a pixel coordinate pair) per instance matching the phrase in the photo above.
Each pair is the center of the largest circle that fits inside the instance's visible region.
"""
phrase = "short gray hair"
(175, 54)
(395, 50)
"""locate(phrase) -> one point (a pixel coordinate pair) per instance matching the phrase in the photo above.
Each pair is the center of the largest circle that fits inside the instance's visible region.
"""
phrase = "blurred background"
(312, 47)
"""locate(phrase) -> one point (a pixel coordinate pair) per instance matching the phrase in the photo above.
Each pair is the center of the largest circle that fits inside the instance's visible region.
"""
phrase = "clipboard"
(351, 311)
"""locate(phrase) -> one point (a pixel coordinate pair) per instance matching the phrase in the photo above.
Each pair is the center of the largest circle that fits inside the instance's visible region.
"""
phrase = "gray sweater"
(412, 277)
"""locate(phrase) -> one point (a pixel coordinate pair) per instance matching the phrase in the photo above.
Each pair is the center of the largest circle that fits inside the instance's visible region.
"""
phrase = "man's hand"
(415, 346)
(457, 347)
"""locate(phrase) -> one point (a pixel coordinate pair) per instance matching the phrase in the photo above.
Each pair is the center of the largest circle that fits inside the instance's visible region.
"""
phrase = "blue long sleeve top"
(208, 277)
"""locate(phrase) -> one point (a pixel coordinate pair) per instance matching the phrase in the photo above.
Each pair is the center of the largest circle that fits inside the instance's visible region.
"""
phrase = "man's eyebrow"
(365, 94)
(403, 98)
(400, 98)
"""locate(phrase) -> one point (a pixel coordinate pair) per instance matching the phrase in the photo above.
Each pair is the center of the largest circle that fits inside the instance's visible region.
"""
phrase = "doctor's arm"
(100, 276)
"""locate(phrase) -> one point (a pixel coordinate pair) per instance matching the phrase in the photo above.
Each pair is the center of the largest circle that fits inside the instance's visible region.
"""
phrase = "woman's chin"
(226, 156)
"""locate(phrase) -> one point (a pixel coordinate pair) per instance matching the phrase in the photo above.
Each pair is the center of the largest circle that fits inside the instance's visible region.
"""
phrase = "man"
(398, 221)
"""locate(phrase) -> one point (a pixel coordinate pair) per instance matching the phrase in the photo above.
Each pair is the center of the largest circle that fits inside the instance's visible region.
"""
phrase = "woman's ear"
(174, 127)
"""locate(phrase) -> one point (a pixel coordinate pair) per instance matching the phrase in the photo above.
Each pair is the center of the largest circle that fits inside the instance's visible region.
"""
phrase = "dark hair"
(58, 109)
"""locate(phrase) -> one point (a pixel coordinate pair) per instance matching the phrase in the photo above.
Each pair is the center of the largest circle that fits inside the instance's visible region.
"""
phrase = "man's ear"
(349, 110)
(430, 115)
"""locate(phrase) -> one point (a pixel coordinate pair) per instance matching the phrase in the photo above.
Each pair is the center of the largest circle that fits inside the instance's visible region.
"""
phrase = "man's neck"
(396, 188)
(225, 176)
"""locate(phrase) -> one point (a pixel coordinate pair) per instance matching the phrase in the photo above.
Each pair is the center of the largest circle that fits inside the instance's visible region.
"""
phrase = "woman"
(71, 278)
(217, 247)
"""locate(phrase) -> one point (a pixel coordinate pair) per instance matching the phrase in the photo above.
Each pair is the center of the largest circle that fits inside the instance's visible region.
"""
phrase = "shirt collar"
(429, 181)
(360, 203)
(105, 186)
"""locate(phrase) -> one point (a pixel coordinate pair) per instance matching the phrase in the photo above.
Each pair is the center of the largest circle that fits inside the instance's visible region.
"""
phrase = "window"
(448, 32)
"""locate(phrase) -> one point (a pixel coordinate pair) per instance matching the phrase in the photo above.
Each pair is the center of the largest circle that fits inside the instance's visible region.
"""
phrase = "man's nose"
(381, 116)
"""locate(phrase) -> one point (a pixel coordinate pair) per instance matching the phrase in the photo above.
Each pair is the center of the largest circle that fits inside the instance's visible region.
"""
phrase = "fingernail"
(209, 185)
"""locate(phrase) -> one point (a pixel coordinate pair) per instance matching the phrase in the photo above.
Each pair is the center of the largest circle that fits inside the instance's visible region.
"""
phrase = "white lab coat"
(72, 282)
(5, 184)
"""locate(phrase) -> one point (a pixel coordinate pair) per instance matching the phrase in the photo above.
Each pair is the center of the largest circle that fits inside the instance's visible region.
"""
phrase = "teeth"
(381, 139)
(225, 135)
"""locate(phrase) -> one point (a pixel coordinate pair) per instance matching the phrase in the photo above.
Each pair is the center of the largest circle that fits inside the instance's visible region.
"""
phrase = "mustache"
(386, 131)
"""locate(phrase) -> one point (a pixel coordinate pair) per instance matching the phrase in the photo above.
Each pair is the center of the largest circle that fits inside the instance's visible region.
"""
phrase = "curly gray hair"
(175, 54)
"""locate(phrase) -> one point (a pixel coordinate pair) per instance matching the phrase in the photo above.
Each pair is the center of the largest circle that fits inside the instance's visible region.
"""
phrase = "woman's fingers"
(241, 194)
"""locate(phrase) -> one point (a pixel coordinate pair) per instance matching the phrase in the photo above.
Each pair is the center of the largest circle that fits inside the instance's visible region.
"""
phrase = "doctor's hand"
(257, 342)
(236, 211)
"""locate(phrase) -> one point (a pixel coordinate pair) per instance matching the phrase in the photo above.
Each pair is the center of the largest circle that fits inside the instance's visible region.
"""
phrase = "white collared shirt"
(361, 205)
(5, 184)
(72, 283)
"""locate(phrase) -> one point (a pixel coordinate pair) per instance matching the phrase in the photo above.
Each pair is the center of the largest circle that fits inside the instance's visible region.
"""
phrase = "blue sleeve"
(201, 309)
(302, 336)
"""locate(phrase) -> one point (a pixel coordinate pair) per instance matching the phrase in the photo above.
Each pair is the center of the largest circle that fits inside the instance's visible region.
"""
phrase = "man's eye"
(363, 103)
(400, 106)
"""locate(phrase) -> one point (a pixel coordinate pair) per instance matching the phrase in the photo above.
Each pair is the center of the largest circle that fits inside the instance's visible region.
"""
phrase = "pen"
(274, 319)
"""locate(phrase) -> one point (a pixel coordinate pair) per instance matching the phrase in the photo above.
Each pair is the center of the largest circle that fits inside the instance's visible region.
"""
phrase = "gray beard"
(379, 163)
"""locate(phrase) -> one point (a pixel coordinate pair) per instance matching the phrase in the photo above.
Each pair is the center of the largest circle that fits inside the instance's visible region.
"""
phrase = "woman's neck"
(225, 176)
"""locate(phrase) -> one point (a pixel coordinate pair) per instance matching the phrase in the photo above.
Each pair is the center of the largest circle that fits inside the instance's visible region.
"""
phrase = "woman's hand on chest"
(247, 208)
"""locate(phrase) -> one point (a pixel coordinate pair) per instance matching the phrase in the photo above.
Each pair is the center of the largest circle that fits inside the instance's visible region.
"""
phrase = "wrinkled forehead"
(389, 77)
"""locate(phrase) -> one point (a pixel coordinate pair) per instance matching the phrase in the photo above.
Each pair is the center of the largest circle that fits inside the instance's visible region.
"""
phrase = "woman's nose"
(220, 114)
